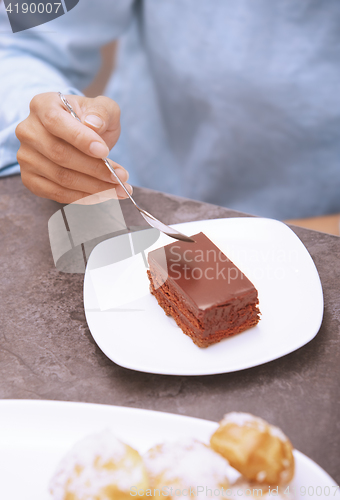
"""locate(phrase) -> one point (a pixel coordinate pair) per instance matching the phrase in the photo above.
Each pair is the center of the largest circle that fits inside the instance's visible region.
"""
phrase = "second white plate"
(35, 436)
(138, 335)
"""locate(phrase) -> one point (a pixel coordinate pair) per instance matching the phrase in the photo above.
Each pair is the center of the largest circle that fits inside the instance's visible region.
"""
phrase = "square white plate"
(35, 436)
(130, 327)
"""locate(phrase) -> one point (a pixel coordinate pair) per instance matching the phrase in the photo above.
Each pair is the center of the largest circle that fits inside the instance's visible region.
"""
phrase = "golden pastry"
(259, 451)
(186, 470)
(100, 467)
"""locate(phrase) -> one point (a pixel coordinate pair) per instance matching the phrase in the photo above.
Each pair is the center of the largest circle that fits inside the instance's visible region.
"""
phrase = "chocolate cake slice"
(207, 295)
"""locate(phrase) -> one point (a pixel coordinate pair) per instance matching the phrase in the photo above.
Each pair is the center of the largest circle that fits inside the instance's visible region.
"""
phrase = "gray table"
(47, 352)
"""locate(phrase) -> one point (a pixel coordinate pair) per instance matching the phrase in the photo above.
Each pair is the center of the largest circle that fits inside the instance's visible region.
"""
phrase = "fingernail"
(94, 121)
(121, 191)
(122, 174)
(98, 149)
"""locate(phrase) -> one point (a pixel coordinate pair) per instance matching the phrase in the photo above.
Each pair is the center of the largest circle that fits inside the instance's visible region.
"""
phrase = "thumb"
(102, 115)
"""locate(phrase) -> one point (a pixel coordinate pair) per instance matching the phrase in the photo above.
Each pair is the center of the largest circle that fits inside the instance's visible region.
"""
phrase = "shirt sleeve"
(62, 55)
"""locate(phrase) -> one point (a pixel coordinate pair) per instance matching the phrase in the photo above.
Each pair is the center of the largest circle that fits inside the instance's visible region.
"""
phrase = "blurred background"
(326, 224)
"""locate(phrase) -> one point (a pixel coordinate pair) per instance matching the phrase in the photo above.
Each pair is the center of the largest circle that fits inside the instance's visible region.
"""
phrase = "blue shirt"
(233, 102)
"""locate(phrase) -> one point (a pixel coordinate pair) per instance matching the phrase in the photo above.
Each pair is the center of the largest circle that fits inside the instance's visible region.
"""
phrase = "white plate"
(35, 435)
(138, 335)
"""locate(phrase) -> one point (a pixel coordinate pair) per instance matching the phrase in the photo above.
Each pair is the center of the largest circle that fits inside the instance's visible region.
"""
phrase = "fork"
(150, 219)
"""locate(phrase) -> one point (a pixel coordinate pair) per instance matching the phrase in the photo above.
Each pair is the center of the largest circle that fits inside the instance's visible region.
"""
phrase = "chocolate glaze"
(202, 275)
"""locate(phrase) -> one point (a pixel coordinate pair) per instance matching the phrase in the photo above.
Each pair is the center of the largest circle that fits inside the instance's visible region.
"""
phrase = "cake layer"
(207, 295)
(237, 322)
(216, 318)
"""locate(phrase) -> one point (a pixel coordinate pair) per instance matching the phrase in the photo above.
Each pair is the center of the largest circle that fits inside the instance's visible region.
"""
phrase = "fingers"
(60, 123)
(103, 116)
(62, 153)
(77, 180)
(58, 183)
(45, 188)
(60, 157)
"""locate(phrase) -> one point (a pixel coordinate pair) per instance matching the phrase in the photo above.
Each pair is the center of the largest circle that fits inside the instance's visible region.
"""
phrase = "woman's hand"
(60, 158)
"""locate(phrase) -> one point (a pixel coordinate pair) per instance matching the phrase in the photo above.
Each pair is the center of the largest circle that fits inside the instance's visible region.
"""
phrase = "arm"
(62, 55)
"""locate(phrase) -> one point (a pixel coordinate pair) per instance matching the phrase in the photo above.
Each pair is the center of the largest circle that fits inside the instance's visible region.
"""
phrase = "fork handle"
(112, 170)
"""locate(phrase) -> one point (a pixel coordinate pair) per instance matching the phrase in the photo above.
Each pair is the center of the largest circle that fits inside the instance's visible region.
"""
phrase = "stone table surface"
(48, 353)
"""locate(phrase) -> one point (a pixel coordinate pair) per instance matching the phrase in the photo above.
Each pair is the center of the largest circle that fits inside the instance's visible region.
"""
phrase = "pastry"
(100, 467)
(186, 470)
(246, 457)
(259, 451)
(206, 294)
